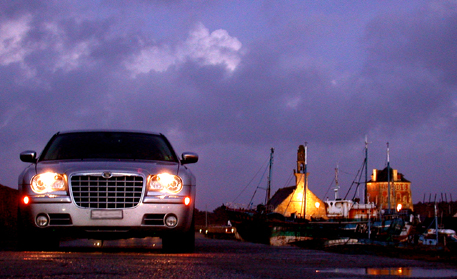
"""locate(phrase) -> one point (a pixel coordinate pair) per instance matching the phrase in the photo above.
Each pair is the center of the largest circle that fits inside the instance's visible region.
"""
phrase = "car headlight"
(165, 182)
(48, 182)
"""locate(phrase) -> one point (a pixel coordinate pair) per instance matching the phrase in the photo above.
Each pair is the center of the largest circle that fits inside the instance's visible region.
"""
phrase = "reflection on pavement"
(394, 271)
(141, 243)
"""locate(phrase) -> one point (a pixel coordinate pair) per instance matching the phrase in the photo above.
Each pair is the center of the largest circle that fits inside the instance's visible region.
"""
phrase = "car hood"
(140, 167)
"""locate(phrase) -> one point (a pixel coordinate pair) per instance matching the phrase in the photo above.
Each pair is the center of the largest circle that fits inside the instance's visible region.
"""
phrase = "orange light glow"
(187, 201)
(26, 200)
(399, 206)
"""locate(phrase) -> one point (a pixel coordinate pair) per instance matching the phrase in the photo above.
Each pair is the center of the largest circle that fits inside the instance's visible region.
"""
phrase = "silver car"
(107, 185)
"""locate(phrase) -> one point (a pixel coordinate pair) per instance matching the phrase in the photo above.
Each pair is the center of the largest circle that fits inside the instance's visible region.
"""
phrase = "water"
(395, 271)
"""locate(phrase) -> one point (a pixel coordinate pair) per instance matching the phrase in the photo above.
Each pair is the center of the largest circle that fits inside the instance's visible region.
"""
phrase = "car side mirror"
(189, 158)
(28, 156)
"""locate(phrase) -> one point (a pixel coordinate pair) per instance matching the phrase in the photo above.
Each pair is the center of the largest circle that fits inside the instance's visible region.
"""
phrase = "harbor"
(384, 215)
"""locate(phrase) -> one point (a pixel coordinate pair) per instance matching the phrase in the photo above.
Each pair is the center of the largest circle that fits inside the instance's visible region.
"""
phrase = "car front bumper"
(148, 218)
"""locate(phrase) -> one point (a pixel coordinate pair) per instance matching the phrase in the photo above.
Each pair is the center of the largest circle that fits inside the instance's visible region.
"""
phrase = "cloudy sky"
(231, 79)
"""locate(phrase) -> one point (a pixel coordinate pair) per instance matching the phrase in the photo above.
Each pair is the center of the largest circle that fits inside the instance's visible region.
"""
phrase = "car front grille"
(91, 191)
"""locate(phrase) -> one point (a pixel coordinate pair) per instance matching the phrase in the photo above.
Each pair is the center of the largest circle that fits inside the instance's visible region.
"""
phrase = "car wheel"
(180, 242)
(33, 239)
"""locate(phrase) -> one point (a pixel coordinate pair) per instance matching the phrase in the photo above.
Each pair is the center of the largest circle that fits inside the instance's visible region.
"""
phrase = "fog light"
(171, 221)
(42, 220)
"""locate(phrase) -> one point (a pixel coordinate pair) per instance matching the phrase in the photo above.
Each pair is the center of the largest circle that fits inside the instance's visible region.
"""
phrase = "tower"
(390, 180)
(298, 200)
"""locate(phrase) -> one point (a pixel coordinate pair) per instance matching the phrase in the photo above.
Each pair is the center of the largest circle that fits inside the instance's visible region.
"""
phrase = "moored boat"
(296, 214)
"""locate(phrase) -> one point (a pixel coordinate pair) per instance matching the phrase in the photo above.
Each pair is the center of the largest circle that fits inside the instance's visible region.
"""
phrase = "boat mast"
(436, 224)
(267, 201)
(366, 170)
(388, 178)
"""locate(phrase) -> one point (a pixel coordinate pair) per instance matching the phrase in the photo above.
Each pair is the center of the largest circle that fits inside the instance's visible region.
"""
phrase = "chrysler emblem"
(107, 174)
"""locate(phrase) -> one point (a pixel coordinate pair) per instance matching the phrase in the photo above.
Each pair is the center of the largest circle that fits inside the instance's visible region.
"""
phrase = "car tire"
(34, 239)
(180, 242)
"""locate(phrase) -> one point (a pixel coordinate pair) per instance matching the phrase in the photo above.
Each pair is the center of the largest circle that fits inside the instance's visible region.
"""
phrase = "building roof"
(381, 176)
(280, 195)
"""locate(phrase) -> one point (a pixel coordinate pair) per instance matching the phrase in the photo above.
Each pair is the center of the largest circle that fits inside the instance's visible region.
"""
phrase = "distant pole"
(388, 179)
(206, 216)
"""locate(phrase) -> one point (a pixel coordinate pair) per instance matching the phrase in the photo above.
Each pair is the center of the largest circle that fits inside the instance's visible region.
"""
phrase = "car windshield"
(108, 145)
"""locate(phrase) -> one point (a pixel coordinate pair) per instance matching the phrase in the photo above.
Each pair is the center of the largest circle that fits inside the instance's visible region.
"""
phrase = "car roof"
(107, 131)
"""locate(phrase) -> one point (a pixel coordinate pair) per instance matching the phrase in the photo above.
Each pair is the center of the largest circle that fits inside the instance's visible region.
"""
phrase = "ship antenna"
(337, 187)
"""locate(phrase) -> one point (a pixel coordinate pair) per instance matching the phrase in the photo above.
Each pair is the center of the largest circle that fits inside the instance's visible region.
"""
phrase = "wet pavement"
(143, 258)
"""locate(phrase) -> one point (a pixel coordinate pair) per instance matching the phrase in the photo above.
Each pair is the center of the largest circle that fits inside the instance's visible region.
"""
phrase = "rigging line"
(291, 196)
(258, 186)
(250, 202)
(329, 186)
(360, 178)
(359, 174)
(250, 182)
(285, 185)
(352, 184)
(288, 180)
(340, 171)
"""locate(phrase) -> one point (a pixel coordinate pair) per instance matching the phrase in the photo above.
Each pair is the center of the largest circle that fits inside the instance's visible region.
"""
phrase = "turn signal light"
(26, 200)
(186, 200)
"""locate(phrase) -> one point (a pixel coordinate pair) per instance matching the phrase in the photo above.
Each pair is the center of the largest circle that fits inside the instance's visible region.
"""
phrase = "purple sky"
(231, 79)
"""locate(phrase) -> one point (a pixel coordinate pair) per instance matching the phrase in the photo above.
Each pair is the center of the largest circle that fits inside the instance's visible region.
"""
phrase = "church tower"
(298, 200)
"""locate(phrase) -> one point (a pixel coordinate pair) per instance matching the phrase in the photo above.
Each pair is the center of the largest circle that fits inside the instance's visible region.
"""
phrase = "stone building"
(400, 190)
(298, 200)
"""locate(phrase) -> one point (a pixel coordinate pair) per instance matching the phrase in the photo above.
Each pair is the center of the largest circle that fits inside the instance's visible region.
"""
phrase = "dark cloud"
(14, 9)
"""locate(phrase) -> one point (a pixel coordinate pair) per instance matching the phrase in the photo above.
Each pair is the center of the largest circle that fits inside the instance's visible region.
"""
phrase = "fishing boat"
(356, 216)
(255, 225)
(296, 214)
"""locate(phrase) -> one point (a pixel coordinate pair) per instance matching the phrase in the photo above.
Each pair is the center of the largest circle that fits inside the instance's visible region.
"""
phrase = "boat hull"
(278, 231)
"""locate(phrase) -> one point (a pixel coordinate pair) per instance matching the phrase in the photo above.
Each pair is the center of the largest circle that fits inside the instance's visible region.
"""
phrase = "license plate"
(106, 214)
